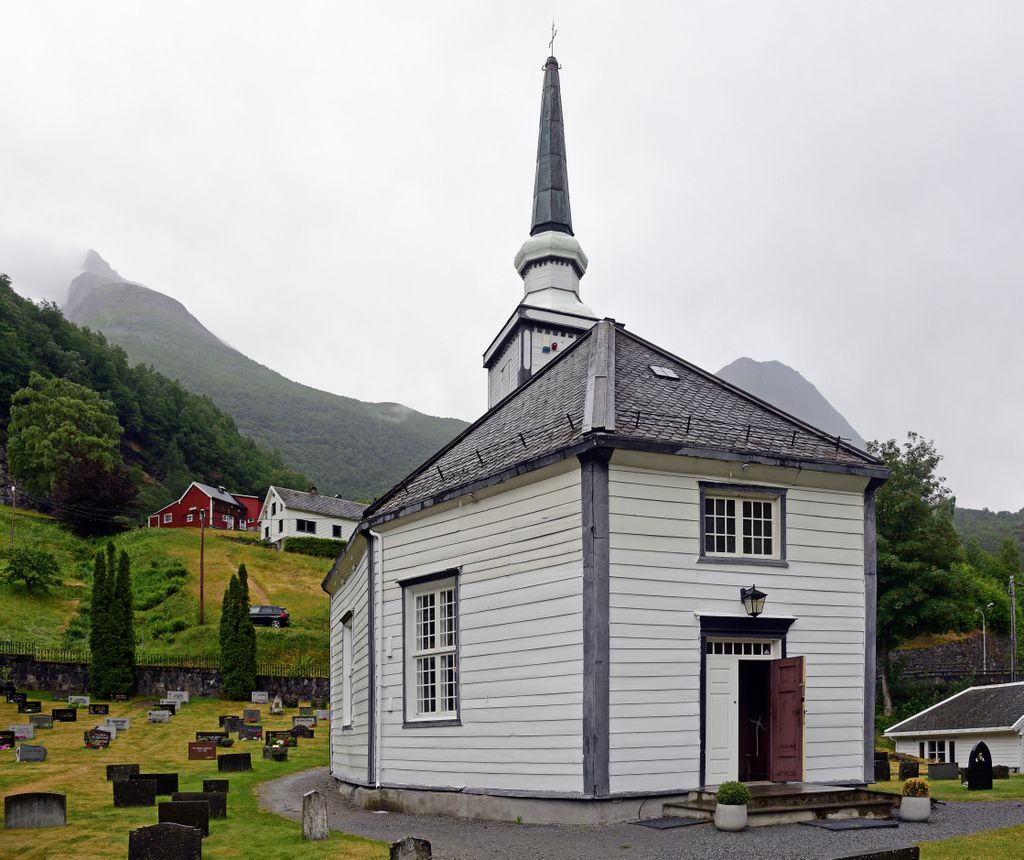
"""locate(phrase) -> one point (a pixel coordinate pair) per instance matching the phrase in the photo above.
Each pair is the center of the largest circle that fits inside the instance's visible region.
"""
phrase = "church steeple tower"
(551, 263)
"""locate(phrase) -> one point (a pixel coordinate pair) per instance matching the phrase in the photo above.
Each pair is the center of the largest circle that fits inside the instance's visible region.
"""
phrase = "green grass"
(1004, 844)
(96, 829)
(953, 790)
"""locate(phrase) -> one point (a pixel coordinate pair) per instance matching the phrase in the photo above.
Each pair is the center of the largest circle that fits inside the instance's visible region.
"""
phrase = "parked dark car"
(269, 616)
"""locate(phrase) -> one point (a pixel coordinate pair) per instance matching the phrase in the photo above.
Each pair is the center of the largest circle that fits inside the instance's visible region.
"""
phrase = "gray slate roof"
(997, 706)
(220, 495)
(602, 386)
(314, 503)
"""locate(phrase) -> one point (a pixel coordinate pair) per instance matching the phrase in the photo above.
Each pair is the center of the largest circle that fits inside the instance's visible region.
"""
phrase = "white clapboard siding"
(520, 639)
(349, 745)
(656, 588)
(1004, 746)
(283, 523)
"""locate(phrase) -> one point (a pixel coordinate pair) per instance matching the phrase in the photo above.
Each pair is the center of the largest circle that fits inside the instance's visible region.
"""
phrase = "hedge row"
(319, 547)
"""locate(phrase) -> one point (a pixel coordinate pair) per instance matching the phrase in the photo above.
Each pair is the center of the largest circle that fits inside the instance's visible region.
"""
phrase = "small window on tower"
(664, 372)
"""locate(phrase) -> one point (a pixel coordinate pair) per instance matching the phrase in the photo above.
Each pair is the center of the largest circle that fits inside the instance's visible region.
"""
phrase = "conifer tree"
(246, 633)
(112, 633)
(99, 605)
(123, 629)
(229, 643)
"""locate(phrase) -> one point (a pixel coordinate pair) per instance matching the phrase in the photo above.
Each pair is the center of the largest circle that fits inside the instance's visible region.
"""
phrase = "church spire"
(551, 185)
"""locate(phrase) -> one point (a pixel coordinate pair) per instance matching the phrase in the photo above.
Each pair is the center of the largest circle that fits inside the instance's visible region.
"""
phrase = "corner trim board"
(371, 674)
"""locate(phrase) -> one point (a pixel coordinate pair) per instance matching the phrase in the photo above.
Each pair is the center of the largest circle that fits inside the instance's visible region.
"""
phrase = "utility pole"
(1013, 631)
(202, 553)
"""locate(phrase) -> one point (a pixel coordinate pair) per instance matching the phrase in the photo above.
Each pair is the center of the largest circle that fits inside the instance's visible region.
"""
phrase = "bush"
(318, 547)
(914, 787)
(733, 793)
(37, 568)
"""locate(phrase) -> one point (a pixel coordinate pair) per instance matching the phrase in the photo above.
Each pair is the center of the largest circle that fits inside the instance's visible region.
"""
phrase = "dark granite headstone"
(169, 706)
(218, 801)
(28, 752)
(947, 770)
(35, 809)
(291, 702)
(16, 698)
(275, 753)
(301, 732)
(64, 715)
(167, 841)
(979, 768)
(1000, 771)
(30, 706)
(202, 751)
(233, 724)
(194, 813)
(121, 771)
(909, 769)
(99, 710)
(7, 740)
(41, 721)
(881, 755)
(234, 762)
(210, 737)
(278, 735)
(223, 717)
(134, 792)
(882, 771)
(166, 783)
(120, 697)
(250, 733)
(219, 785)
(97, 739)
(251, 715)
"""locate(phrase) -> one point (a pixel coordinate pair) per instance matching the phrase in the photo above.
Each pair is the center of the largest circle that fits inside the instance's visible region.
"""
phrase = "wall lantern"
(753, 600)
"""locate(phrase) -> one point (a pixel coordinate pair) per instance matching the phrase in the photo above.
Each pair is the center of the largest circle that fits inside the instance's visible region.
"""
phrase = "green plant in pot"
(916, 803)
(731, 807)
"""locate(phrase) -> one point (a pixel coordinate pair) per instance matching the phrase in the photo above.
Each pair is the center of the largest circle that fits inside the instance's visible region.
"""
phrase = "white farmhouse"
(546, 619)
(293, 513)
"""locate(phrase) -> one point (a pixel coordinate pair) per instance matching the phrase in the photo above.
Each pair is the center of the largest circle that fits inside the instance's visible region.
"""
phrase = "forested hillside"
(990, 528)
(346, 446)
(170, 436)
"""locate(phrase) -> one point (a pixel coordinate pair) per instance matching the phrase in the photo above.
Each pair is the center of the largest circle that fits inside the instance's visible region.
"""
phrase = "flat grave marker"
(30, 706)
(41, 721)
(194, 813)
(64, 715)
(260, 697)
(121, 771)
(250, 733)
(28, 752)
(99, 710)
(218, 801)
(179, 696)
(134, 792)
(232, 762)
(7, 740)
(220, 786)
(97, 739)
(33, 809)
(202, 751)
(158, 716)
(179, 841)
(166, 783)
(78, 701)
(122, 724)
(23, 731)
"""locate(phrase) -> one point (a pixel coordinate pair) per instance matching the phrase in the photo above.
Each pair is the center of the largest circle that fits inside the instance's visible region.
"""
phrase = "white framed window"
(188, 518)
(431, 648)
(742, 523)
(935, 751)
(346, 671)
(307, 526)
(168, 517)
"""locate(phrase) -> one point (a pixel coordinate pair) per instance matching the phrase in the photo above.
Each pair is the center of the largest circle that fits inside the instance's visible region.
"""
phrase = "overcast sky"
(338, 190)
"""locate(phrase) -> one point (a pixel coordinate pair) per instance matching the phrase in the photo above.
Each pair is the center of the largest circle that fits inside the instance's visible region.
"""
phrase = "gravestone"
(165, 841)
(322, 714)
(169, 706)
(97, 739)
(210, 737)
(301, 731)
(220, 786)
(291, 702)
(194, 813)
(28, 752)
(202, 751)
(909, 769)
(275, 753)
(948, 770)
(276, 707)
(23, 731)
(41, 721)
(881, 755)
(285, 737)
(7, 740)
(158, 716)
(882, 771)
(122, 724)
(223, 717)
(250, 733)
(78, 701)
(308, 722)
(99, 710)
(64, 715)
(260, 697)
(251, 715)
(218, 801)
(179, 696)
(35, 809)
(30, 706)
(305, 711)
(166, 783)
(121, 771)
(1000, 771)
(314, 816)
(979, 768)
(120, 697)
(16, 698)
(111, 729)
(230, 762)
(233, 724)
(410, 848)
(134, 792)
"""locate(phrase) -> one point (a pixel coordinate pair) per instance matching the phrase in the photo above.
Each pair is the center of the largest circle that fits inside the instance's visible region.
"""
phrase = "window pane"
(426, 685)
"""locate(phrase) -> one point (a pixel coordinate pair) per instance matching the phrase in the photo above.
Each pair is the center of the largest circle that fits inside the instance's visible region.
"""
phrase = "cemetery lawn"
(952, 790)
(1001, 844)
(96, 829)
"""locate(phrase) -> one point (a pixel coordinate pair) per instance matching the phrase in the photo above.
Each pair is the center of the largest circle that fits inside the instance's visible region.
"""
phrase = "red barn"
(219, 508)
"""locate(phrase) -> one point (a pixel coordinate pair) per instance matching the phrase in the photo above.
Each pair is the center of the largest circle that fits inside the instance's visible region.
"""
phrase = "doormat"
(669, 823)
(852, 824)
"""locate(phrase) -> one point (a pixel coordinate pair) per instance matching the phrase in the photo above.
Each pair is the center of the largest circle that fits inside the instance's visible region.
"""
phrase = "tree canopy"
(37, 568)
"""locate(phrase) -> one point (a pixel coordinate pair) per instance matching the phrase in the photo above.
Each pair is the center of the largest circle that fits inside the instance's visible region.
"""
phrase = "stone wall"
(961, 658)
(154, 681)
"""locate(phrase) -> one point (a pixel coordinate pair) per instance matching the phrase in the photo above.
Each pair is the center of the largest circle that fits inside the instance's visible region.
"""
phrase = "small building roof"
(219, 494)
(314, 503)
(998, 706)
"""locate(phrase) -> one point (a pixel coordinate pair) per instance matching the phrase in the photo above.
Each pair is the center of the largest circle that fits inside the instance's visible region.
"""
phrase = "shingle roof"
(216, 493)
(314, 503)
(603, 385)
(997, 706)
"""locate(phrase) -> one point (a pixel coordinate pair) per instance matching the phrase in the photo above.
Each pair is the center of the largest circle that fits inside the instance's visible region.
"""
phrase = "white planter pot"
(731, 818)
(915, 808)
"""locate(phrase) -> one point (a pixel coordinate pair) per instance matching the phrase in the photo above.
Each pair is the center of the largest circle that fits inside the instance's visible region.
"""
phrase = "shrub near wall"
(318, 547)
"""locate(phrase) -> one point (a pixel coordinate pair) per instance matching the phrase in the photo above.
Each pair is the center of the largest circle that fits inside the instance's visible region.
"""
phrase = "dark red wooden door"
(786, 762)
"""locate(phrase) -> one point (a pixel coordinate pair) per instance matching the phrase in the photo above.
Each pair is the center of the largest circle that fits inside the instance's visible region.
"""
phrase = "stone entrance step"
(787, 803)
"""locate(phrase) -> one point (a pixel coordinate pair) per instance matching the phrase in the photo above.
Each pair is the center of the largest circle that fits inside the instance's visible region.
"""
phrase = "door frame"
(733, 627)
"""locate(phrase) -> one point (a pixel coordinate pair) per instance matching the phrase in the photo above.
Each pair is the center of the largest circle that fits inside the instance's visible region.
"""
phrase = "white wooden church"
(627, 579)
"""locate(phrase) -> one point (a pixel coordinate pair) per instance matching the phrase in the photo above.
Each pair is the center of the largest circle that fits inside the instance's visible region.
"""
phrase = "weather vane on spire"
(551, 44)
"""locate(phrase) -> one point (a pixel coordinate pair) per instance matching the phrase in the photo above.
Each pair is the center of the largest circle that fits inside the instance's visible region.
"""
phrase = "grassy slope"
(96, 829)
(346, 446)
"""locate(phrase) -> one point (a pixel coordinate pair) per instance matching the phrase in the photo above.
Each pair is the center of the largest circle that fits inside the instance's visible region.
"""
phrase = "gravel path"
(465, 839)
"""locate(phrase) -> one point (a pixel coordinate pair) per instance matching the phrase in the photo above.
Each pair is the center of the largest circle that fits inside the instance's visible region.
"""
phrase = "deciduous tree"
(37, 568)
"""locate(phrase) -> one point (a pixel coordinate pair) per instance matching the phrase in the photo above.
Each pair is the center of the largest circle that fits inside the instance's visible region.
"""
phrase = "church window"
(430, 637)
(745, 523)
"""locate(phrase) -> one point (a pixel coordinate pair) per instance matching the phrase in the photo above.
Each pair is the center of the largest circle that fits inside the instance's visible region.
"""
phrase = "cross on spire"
(551, 44)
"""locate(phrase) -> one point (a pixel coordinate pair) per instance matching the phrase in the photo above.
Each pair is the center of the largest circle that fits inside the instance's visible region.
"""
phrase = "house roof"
(602, 390)
(220, 495)
(314, 503)
(999, 706)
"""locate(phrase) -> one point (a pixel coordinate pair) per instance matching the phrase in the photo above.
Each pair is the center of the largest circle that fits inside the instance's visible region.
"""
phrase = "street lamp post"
(984, 640)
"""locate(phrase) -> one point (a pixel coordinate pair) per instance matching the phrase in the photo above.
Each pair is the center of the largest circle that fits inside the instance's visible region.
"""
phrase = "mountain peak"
(94, 264)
